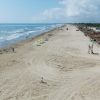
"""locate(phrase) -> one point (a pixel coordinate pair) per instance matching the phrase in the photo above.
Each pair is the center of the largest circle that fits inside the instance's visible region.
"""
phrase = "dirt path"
(59, 69)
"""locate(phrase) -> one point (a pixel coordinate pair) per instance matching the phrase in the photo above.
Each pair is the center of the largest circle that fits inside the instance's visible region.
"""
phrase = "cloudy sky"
(49, 11)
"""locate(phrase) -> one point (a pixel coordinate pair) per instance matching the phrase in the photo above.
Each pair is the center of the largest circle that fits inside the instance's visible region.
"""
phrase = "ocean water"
(12, 33)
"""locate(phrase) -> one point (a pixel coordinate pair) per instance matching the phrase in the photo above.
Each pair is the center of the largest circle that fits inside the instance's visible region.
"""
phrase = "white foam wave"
(29, 32)
(1, 38)
(17, 31)
(13, 36)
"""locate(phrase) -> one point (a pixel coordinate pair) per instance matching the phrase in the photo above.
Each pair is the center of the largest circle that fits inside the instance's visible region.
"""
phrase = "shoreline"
(9, 47)
(6, 42)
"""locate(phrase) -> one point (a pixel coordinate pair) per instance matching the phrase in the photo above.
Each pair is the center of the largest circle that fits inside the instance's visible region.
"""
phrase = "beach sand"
(52, 66)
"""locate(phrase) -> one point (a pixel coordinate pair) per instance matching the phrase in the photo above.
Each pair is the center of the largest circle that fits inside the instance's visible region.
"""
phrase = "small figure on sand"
(90, 47)
(42, 80)
(13, 49)
(67, 29)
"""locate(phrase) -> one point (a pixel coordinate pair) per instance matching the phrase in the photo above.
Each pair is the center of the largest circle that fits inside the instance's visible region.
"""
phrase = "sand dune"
(53, 66)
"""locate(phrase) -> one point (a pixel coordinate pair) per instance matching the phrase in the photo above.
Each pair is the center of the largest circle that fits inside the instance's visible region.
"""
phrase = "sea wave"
(13, 36)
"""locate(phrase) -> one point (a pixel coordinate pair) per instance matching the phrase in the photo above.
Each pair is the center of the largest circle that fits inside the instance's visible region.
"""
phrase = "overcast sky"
(49, 11)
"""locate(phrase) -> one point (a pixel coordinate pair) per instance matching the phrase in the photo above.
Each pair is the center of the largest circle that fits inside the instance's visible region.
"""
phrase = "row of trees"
(88, 24)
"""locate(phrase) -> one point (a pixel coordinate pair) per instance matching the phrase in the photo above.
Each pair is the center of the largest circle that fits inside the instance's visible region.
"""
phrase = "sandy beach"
(52, 66)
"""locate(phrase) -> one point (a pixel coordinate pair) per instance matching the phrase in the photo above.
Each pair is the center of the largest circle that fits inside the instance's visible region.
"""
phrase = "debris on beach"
(90, 32)
(42, 81)
(7, 50)
(50, 34)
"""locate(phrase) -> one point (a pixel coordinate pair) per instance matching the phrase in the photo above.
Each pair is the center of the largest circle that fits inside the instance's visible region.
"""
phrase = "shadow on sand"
(95, 53)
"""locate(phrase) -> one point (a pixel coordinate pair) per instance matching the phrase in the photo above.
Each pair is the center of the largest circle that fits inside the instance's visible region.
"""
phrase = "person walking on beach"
(90, 47)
